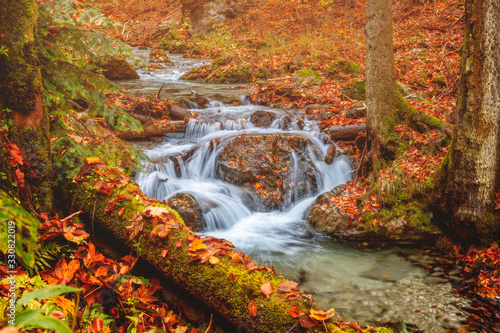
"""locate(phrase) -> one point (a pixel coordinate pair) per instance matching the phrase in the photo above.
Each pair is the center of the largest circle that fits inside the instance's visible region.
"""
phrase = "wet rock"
(189, 209)
(118, 69)
(262, 118)
(327, 217)
(277, 167)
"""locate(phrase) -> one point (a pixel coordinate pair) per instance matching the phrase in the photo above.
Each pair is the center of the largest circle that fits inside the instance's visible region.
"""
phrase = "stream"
(374, 287)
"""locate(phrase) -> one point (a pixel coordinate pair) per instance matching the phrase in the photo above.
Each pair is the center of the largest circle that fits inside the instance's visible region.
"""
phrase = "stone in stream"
(276, 166)
(262, 118)
(118, 69)
(189, 209)
(327, 215)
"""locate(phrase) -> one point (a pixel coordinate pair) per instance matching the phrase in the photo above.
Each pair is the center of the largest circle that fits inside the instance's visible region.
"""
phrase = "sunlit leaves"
(252, 308)
(267, 289)
(322, 315)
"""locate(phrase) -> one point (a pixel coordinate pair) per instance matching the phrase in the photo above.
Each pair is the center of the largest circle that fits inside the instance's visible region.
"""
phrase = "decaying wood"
(346, 133)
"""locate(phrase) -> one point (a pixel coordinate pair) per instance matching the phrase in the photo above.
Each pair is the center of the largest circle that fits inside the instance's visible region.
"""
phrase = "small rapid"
(373, 287)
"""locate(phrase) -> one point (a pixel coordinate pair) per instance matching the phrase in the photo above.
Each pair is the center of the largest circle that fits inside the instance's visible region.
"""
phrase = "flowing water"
(373, 287)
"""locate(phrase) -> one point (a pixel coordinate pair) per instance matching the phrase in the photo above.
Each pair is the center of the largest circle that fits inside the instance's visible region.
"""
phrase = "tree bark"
(227, 286)
(469, 176)
(21, 100)
(380, 79)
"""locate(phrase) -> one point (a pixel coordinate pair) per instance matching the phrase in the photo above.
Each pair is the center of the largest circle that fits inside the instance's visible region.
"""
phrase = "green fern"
(47, 257)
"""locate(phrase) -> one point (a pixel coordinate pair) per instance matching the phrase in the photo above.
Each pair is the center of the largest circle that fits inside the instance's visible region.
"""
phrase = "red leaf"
(97, 324)
(267, 289)
(294, 312)
(252, 308)
(178, 244)
(308, 322)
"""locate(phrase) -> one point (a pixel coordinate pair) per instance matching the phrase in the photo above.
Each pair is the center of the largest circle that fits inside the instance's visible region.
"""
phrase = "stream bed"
(373, 287)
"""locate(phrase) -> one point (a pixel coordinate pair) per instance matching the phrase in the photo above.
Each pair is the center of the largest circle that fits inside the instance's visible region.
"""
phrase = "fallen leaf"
(294, 312)
(308, 322)
(252, 308)
(214, 260)
(267, 289)
(322, 315)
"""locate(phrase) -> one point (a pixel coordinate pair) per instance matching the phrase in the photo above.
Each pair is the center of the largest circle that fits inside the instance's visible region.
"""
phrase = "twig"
(159, 91)
(210, 323)
(361, 160)
(70, 216)
(293, 327)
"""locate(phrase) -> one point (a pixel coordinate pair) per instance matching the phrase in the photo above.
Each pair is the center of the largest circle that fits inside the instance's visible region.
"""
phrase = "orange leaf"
(164, 253)
(120, 213)
(19, 175)
(294, 312)
(178, 244)
(267, 289)
(252, 308)
(322, 315)
(214, 260)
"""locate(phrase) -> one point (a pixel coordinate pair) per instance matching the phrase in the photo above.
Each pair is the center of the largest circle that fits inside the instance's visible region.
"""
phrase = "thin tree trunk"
(21, 100)
(380, 78)
(470, 171)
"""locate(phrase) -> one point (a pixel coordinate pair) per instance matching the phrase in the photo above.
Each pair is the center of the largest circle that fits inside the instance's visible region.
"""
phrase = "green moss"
(343, 66)
(307, 77)
(356, 90)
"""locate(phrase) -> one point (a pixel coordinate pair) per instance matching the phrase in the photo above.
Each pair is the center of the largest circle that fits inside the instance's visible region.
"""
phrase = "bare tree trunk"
(21, 100)
(469, 176)
(380, 79)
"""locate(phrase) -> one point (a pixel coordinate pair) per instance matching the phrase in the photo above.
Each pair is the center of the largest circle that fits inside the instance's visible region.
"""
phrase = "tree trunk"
(469, 175)
(230, 286)
(21, 101)
(380, 79)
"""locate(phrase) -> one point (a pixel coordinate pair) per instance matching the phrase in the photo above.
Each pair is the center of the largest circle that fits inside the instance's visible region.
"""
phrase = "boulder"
(118, 69)
(205, 14)
(277, 167)
(329, 218)
(189, 209)
(262, 118)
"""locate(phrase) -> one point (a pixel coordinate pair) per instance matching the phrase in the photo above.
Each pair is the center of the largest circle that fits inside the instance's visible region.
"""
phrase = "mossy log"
(153, 130)
(227, 285)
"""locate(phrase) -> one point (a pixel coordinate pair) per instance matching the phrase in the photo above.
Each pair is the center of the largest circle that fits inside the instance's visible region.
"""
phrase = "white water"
(232, 212)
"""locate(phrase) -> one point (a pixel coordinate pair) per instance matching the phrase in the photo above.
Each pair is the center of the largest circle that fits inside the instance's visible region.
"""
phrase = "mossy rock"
(356, 90)
(307, 78)
(345, 67)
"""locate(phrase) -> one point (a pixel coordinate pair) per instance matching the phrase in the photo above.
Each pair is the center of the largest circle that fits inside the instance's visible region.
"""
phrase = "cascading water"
(369, 286)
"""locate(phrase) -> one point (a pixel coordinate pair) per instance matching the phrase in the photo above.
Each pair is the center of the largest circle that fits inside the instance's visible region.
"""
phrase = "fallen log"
(252, 298)
(346, 133)
(153, 130)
